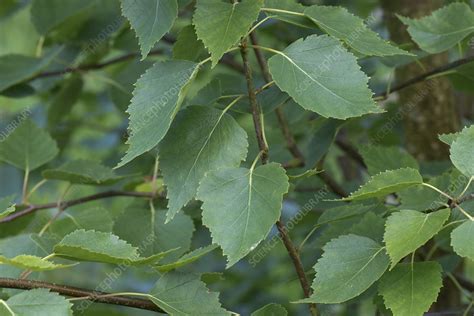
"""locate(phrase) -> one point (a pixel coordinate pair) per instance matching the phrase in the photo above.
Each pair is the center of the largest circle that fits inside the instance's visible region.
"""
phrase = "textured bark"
(435, 112)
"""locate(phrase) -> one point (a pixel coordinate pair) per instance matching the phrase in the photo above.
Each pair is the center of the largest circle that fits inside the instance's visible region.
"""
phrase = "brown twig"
(66, 204)
(94, 296)
(351, 152)
(423, 77)
(291, 249)
(290, 139)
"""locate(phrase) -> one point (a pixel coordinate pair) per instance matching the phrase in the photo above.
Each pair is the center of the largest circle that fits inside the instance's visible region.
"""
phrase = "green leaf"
(186, 259)
(151, 19)
(379, 159)
(15, 69)
(46, 15)
(448, 139)
(421, 197)
(95, 246)
(410, 289)
(6, 206)
(333, 87)
(350, 265)
(240, 206)
(185, 294)
(408, 230)
(83, 172)
(5, 309)
(101, 247)
(443, 29)
(156, 101)
(386, 182)
(290, 6)
(188, 46)
(33, 263)
(343, 25)
(271, 310)
(154, 235)
(88, 218)
(461, 239)
(39, 302)
(462, 151)
(63, 101)
(371, 226)
(211, 140)
(230, 21)
(28, 147)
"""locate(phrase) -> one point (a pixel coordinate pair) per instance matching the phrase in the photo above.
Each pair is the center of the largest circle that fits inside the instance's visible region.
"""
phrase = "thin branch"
(290, 140)
(93, 296)
(351, 152)
(465, 198)
(257, 121)
(226, 60)
(423, 77)
(292, 252)
(66, 204)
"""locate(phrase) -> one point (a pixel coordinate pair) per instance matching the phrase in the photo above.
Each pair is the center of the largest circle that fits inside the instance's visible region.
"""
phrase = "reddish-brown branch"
(291, 249)
(66, 204)
(93, 296)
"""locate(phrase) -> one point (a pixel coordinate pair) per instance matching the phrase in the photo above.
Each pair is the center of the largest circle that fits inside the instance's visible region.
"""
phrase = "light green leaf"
(5, 309)
(154, 235)
(39, 302)
(6, 206)
(230, 21)
(381, 158)
(409, 290)
(211, 140)
(83, 172)
(185, 294)
(271, 310)
(101, 247)
(448, 139)
(188, 46)
(157, 98)
(443, 29)
(333, 87)
(240, 206)
(462, 151)
(15, 69)
(386, 182)
(407, 230)
(462, 240)
(350, 265)
(95, 246)
(46, 15)
(186, 259)
(343, 25)
(28, 147)
(151, 19)
(33, 263)
(279, 9)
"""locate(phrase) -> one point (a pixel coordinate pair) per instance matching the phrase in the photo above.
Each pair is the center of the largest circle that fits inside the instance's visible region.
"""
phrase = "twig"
(292, 252)
(351, 152)
(94, 296)
(290, 140)
(257, 121)
(66, 204)
(423, 77)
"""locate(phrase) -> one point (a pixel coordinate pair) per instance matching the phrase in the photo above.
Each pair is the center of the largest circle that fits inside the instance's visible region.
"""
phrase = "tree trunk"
(433, 110)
